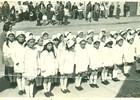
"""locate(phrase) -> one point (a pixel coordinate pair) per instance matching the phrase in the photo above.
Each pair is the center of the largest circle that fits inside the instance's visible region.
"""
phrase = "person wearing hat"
(45, 37)
(107, 60)
(114, 35)
(39, 46)
(67, 65)
(102, 37)
(95, 62)
(18, 58)
(80, 35)
(129, 54)
(31, 57)
(89, 40)
(118, 57)
(7, 53)
(81, 62)
(49, 66)
(90, 32)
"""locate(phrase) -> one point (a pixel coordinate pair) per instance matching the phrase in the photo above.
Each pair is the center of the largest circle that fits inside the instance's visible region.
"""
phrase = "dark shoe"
(20, 92)
(47, 94)
(64, 91)
(51, 94)
(79, 88)
(91, 85)
(127, 75)
(107, 82)
(115, 79)
(103, 82)
(67, 90)
(95, 85)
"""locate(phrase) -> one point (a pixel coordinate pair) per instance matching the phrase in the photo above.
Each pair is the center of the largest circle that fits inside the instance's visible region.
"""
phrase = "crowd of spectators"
(60, 12)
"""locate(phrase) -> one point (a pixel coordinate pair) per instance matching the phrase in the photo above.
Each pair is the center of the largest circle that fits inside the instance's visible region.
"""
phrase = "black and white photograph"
(69, 49)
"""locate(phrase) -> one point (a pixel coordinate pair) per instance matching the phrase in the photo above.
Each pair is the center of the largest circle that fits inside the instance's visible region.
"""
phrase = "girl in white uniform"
(118, 57)
(95, 62)
(129, 53)
(39, 46)
(89, 44)
(18, 58)
(82, 63)
(107, 60)
(49, 65)
(31, 57)
(7, 53)
(45, 37)
(67, 65)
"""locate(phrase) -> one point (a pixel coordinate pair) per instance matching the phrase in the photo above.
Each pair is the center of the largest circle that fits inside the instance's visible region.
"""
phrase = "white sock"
(95, 79)
(31, 89)
(45, 87)
(49, 86)
(65, 82)
(19, 84)
(126, 69)
(91, 79)
(76, 81)
(62, 83)
(27, 89)
(105, 75)
(79, 81)
(115, 72)
(23, 83)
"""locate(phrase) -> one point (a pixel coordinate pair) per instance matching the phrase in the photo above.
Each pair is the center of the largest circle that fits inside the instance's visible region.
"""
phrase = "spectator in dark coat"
(111, 9)
(88, 9)
(126, 9)
(5, 10)
(118, 12)
(74, 11)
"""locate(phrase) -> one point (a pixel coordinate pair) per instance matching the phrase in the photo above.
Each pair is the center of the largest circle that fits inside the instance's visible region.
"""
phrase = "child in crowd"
(7, 53)
(49, 65)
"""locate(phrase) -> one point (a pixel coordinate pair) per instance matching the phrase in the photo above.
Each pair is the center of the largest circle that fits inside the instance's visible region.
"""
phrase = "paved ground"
(127, 87)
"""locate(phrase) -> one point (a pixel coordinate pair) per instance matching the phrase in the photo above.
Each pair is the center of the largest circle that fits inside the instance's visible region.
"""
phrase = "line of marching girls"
(34, 61)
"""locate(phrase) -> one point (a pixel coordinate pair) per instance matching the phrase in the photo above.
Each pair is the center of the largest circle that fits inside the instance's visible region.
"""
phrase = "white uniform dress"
(31, 62)
(7, 53)
(95, 58)
(81, 60)
(67, 62)
(118, 55)
(18, 57)
(49, 64)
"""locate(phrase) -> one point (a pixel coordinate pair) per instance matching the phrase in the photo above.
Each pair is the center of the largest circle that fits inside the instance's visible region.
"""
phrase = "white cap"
(90, 31)
(118, 38)
(70, 43)
(79, 32)
(58, 35)
(96, 38)
(54, 37)
(128, 29)
(19, 33)
(120, 31)
(37, 38)
(67, 33)
(103, 30)
(137, 29)
(108, 40)
(44, 33)
(88, 36)
(113, 32)
(30, 37)
(132, 32)
(80, 39)
(48, 41)
(28, 34)
(10, 32)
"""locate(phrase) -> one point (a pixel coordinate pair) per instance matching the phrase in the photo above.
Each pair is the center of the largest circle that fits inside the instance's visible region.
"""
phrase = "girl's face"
(131, 41)
(115, 36)
(82, 44)
(49, 46)
(81, 35)
(11, 37)
(89, 40)
(97, 45)
(108, 45)
(124, 36)
(21, 38)
(31, 43)
(40, 42)
(55, 42)
(120, 42)
(45, 37)
(103, 39)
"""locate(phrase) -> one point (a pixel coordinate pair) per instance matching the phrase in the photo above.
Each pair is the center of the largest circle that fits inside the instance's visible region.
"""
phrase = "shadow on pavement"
(4, 84)
(131, 85)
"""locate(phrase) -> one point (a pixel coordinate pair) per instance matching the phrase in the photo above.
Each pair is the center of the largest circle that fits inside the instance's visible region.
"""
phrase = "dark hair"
(6, 27)
(45, 48)
(110, 43)
(7, 41)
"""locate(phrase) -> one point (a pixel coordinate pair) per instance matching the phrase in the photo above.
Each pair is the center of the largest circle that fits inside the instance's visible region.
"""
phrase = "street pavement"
(127, 87)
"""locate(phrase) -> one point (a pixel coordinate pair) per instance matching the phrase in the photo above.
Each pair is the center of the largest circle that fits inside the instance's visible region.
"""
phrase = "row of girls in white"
(84, 55)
